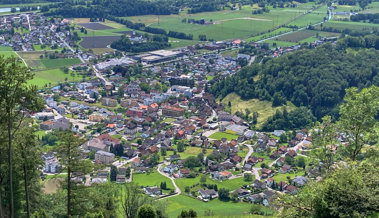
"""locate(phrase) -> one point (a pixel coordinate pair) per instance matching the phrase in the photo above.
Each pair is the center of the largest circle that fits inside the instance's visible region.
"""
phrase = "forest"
(314, 78)
(155, 42)
(124, 8)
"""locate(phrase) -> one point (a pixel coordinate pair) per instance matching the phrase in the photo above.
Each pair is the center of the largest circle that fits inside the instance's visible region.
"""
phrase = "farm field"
(57, 63)
(216, 207)
(296, 36)
(270, 34)
(314, 17)
(98, 41)
(355, 26)
(371, 8)
(95, 26)
(220, 135)
(51, 77)
(264, 108)
(228, 24)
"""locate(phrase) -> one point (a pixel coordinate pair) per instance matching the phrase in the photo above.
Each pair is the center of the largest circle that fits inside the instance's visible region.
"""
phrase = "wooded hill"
(314, 78)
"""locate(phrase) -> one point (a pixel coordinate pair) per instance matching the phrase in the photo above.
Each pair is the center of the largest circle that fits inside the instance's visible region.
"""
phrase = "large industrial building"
(158, 56)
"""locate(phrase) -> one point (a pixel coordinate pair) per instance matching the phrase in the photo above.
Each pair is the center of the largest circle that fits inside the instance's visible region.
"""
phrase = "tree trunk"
(1, 205)
(10, 165)
(26, 192)
(68, 192)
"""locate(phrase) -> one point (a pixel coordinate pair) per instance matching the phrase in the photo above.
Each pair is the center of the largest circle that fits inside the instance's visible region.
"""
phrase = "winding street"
(254, 170)
(177, 189)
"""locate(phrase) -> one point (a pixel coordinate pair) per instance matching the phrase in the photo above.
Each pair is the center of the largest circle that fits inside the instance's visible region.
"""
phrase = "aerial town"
(158, 120)
(151, 118)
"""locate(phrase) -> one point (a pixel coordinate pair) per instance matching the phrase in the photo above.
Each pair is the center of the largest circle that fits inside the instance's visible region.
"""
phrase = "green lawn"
(8, 54)
(220, 135)
(151, 179)
(283, 176)
(6, 48)
(232, 184)
(219, 208)
(264, 108)
(193, 151)
(53, 76)
(168, 120)
(209, 78)
(279, 43)
(57, 63)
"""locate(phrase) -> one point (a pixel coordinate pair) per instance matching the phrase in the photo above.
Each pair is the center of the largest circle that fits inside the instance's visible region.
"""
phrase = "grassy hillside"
(264, 108)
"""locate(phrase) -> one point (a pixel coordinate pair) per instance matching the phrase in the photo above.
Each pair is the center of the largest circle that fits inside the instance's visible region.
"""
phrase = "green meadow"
(52, 77)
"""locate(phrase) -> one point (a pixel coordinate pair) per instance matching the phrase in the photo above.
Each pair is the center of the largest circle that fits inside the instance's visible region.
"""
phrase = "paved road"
(252, 59)
(119, 164)
(251, 150)
(69, 47)
(298, 146)
(100, 76)
(27, 17)
(303, 28)
(214, 114)
(177, 189)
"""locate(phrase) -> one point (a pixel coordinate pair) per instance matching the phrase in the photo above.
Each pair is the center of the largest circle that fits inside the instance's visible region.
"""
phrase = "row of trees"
(156, 43)
(372, 18)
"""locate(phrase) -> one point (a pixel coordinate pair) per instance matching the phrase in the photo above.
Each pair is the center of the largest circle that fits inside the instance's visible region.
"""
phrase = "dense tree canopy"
(314, 78)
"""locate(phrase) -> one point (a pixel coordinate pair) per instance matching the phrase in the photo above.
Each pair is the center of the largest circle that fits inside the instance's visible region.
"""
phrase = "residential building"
(104, 157)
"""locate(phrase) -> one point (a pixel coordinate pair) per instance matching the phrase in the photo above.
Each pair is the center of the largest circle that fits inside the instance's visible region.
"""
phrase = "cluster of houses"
(22, 31)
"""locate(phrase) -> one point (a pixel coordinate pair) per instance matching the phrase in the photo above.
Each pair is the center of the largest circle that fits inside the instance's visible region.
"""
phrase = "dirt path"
(242, 18)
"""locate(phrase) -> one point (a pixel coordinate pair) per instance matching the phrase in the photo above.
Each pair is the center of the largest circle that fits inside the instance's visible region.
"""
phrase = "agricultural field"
(227, 24)
(314, 17)
(264, 108)
(98, 41)
(269, 34)
(296, 36)
(57, 63)
(95, 26)
(371, 8)
(52, 77)
(354, 26)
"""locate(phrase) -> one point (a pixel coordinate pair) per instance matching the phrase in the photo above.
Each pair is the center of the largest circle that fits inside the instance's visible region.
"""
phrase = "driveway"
(177, 189)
